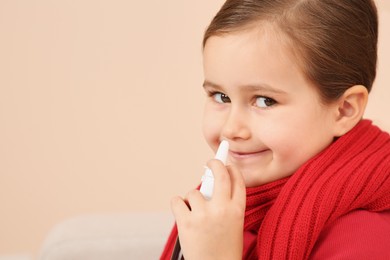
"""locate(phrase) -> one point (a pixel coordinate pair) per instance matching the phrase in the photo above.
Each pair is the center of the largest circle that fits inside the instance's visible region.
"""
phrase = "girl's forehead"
(251, 40)
(255, 31)
(250, 58)
(252, 51)
(249, 47)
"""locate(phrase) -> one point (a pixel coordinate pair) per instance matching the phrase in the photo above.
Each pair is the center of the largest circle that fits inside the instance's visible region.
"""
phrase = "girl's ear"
(350, 109)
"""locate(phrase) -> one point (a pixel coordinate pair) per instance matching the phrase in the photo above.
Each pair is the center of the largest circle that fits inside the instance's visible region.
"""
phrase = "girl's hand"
(213, 229)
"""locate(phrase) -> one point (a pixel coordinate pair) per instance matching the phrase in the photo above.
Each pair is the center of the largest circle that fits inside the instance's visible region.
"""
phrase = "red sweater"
(358, 235)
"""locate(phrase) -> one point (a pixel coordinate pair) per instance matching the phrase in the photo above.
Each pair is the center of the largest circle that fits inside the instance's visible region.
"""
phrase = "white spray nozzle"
(207, 186)
(222, 151)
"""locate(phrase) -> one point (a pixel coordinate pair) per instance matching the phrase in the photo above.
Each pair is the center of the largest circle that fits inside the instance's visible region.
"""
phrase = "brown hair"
(335, 41)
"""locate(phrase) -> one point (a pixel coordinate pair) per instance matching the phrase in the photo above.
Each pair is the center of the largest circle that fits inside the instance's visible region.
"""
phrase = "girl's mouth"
(246, 155)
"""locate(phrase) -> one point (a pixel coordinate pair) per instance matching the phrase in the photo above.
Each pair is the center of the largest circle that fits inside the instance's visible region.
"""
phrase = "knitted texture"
(288, 215)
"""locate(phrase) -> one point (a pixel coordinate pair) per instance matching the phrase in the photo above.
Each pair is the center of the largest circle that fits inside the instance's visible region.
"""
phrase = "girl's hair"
(334, 41)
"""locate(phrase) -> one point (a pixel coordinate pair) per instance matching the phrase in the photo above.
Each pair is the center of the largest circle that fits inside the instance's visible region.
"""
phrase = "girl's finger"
(222, 183)
(195, 200)
(238, 185)
(179, 208)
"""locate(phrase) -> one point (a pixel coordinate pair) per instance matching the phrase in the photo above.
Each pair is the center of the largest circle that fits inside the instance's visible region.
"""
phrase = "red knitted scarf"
(288, 215)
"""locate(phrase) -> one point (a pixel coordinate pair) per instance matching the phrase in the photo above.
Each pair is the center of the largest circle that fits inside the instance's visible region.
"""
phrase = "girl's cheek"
(212, 127)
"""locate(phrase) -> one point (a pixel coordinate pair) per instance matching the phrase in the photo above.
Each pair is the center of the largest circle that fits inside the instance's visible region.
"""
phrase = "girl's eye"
(221, 98)
(265, 102)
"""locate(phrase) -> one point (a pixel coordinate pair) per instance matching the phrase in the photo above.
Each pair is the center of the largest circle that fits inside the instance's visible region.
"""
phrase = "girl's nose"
(236, 126)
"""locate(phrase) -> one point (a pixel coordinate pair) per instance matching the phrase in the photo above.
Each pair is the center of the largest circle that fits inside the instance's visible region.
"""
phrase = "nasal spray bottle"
(206, 188)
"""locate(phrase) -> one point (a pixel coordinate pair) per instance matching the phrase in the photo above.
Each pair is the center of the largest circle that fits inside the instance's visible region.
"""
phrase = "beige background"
(101, 106)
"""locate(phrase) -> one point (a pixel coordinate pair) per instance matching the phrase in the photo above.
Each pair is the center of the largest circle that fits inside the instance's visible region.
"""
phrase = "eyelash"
(212, 94)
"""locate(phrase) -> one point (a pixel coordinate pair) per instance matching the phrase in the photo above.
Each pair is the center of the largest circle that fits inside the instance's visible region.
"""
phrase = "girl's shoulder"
(360, 234)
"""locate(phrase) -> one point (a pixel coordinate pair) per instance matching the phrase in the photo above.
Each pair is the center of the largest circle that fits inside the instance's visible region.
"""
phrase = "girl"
(288, 82)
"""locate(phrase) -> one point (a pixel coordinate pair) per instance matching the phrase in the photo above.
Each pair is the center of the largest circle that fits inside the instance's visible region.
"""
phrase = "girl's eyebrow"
(251, 87)
(207, 83)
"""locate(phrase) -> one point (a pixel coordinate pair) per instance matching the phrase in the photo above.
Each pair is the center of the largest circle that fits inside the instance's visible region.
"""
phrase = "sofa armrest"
(127, 236)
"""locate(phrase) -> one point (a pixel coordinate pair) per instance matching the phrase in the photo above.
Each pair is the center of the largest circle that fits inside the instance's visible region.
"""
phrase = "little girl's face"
(260, 101)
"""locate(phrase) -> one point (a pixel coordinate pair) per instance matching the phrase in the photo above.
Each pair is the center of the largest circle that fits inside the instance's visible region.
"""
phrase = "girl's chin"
(253, 178)
(256, 177)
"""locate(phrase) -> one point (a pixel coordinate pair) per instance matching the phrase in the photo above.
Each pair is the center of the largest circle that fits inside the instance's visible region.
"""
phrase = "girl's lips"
(246, 155)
